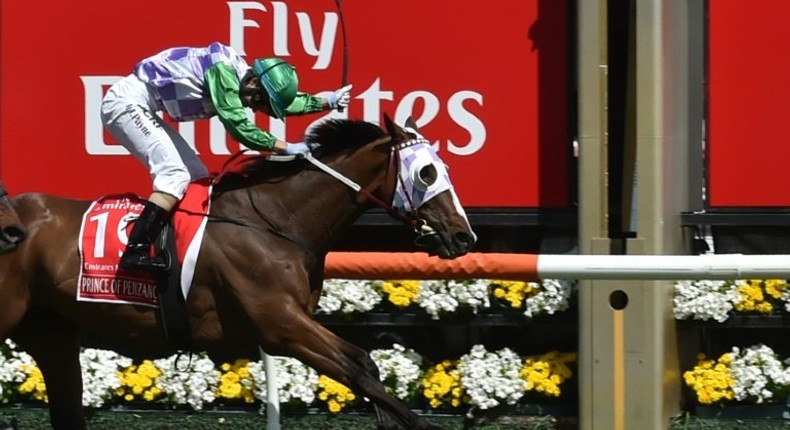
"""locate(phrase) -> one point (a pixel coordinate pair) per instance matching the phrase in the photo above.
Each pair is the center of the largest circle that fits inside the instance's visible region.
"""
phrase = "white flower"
(399, 370)
(194, 386)
(347, 296)
(296, 382)
(435, 298)
(554, 297)
(705, 300)
(755, 371)
(439, 296)
(100, 375)
(472, 293)
(11, 374)
(491, 378)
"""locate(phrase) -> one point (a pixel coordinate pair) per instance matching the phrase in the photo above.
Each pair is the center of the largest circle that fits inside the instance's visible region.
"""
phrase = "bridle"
(427, 237)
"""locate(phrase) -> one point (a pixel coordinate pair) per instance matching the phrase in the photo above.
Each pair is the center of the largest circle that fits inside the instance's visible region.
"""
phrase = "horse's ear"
(411, 124)
(392, 129)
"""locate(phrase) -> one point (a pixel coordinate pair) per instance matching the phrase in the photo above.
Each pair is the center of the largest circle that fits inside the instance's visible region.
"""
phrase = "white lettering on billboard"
(321, 49)
(371, 99)
(238, 22)
(94, 130)
(471, 123)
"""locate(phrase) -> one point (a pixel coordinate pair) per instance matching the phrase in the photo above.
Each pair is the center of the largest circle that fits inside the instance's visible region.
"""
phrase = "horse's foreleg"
(14, 302)
(300, 336)
(384, 419)
(55, 345)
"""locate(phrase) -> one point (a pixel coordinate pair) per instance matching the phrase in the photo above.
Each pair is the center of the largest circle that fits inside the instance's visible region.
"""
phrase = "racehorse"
(12, 232)
(259, 273)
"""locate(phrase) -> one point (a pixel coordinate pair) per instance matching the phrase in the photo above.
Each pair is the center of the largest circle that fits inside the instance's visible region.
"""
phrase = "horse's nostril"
(465, 238)
(14, 234)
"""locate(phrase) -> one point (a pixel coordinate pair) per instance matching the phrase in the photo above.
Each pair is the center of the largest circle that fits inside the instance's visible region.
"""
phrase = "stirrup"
(137, 258)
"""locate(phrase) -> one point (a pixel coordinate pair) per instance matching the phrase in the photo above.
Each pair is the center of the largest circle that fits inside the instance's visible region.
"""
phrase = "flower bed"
(442, 298)
(720, 300)
(480, 379)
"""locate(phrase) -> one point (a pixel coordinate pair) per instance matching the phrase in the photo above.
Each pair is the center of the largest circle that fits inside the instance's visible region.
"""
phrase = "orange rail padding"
(401, 265)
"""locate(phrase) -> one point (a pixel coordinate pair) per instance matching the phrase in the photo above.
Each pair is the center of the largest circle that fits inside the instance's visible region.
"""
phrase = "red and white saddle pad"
(103, 236)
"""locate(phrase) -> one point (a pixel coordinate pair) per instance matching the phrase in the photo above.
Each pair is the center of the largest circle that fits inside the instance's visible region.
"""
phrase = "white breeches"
(128, 111)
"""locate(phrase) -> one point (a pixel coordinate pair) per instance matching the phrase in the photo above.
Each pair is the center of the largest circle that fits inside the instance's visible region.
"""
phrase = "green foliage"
(38, 419)
(690, 422)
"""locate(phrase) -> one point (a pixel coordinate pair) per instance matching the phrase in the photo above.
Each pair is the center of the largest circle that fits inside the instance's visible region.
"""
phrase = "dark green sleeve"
(223, 86)
(305, 103)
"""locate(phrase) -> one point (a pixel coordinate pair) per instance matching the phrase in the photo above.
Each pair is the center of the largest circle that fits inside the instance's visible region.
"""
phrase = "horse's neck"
(316, 208)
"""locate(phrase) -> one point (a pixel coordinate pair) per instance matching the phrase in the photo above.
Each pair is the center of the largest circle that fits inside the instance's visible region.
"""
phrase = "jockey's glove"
(296, 148)
(340, 98)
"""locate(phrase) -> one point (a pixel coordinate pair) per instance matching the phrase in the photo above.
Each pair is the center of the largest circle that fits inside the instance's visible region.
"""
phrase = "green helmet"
(279, 79)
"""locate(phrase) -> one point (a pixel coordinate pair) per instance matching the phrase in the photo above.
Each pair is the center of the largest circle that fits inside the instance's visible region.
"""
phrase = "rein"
(412, 221)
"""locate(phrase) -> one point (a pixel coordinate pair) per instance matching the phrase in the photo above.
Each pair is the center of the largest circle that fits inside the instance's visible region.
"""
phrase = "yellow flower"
(775, 287)
(235, 382)
(138, 382)
(546, 373)
(442, 385)
(513, 292)
(336, 395)
(757, 295)
(401, 293)
(711, 380)
(33, 385)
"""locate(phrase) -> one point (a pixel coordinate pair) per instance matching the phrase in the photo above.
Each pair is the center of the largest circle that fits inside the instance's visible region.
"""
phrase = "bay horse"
(259, 272)
(12, 232)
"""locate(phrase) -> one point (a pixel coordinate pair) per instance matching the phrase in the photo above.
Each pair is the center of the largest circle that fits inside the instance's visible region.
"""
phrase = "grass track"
(35, 418)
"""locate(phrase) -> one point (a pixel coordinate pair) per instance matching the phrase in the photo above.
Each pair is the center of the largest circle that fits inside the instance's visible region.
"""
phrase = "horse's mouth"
(446, 253)
(7, 248)
(439, 246)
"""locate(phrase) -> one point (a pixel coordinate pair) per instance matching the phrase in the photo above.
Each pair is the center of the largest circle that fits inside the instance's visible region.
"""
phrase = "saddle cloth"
(103, 236)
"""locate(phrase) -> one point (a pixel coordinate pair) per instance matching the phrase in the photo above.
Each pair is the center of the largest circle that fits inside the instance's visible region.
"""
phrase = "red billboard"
(748, 92)
(486, 82)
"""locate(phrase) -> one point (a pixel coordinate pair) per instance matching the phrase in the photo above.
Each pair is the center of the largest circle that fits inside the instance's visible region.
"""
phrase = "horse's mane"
(336, 134)
(327, 138)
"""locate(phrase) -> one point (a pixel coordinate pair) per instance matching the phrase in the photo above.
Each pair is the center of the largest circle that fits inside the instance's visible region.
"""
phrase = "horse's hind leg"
(298, 335)
(55, 345)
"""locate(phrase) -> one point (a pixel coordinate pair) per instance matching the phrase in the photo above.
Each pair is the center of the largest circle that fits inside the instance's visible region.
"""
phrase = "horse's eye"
(425, 177)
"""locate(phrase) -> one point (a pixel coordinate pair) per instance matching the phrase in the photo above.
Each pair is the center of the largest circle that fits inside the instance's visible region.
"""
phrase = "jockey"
(191, 84)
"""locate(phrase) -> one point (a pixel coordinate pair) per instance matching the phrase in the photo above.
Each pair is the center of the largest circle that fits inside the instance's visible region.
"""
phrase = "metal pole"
(653, 267)
(272, 394)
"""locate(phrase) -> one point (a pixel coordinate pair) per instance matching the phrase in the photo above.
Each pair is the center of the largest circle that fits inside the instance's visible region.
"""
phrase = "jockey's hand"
(340, 98)
(296, 149)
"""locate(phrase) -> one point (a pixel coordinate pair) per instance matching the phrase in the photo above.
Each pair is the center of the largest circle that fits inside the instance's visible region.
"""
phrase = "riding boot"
(138, 251)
